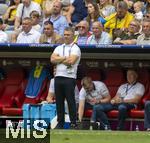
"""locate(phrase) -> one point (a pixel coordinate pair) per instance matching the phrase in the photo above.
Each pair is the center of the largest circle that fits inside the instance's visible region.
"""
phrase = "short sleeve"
(82, 94)
(140, 90)
(57, 50)
(104, 90)
(76, 50)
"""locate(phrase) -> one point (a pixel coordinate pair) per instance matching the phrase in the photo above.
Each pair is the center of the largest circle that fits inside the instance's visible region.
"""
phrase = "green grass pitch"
(81, 136)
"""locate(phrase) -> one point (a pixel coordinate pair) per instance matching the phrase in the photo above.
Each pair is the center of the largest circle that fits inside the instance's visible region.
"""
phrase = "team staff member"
(66, 57)
(126, 98)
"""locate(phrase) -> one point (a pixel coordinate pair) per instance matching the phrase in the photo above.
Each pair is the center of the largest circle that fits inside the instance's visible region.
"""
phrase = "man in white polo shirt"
(28, 34)
(3, 35)
(126, 98)
(66, 57)
(24, 9)
(91, 94)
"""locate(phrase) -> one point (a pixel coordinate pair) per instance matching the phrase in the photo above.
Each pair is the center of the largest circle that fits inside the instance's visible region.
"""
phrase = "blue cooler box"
(33, 112)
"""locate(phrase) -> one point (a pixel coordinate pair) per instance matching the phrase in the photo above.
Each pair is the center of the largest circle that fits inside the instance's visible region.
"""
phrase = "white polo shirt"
(99, 92)
(52, 90)
(27, 10)
(32, 36)
(130, 91)
(67, 50)
(3, 37)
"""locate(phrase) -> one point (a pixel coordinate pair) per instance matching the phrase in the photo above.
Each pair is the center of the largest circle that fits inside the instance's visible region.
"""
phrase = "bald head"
(85, 23)
(97, 23)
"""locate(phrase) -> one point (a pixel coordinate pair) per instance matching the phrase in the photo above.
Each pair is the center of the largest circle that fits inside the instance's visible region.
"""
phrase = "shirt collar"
(69, 45)
(29, 33)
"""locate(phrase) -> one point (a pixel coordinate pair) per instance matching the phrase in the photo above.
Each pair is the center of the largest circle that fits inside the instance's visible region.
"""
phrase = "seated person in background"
(91, 93)
(23, 10)
(130, 35)
(99, 36)
(35, 19)
(82, 33)
(105, 8)
(126, 98)
(9, 16)
(147, 116)
(47, 7)
(35, 16)
(144, 38)
(49, 36)
(65, 7)
(59, 21)
(119, 20)
(93, 14)
(51, 95)
(3, 35)
(28, 34)
(138, 6)
(77, 12)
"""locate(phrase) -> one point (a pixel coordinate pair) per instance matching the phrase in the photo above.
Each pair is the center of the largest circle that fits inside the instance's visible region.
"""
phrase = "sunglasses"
(147, 16)
(133, 25)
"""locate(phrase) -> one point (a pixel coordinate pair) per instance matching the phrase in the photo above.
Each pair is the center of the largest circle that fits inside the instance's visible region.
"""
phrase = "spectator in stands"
(49, 36)
(99, 36)
(147, 116)
(146, 7)
(144, 38)
(93, 14)
(3, 35)
(10, 15)
(130, 35)
(83, 32)
(126, 98)
(105, 8)
(147, 15)
(35, 20)
(77, 12)
(3, 7)
(47, 6)
(24, 9)
(28, 34)
(91, 94)
(119, 20)
(66, 57)
(59, 21)
(138, 10)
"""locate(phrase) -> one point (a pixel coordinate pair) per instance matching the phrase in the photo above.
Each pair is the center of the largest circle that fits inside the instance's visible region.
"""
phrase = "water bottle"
(91, 127)
(106, 127)
(137, 128)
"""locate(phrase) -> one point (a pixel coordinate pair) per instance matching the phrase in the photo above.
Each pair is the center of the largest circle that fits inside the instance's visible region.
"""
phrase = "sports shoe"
(73, 126)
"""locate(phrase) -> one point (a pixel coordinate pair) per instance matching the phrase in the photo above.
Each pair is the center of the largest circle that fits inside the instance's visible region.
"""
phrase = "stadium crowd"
(94, 21)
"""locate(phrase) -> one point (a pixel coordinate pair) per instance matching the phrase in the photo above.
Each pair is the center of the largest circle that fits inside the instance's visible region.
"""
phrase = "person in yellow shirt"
(119, 20)
(39, 1)
(9, 16)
